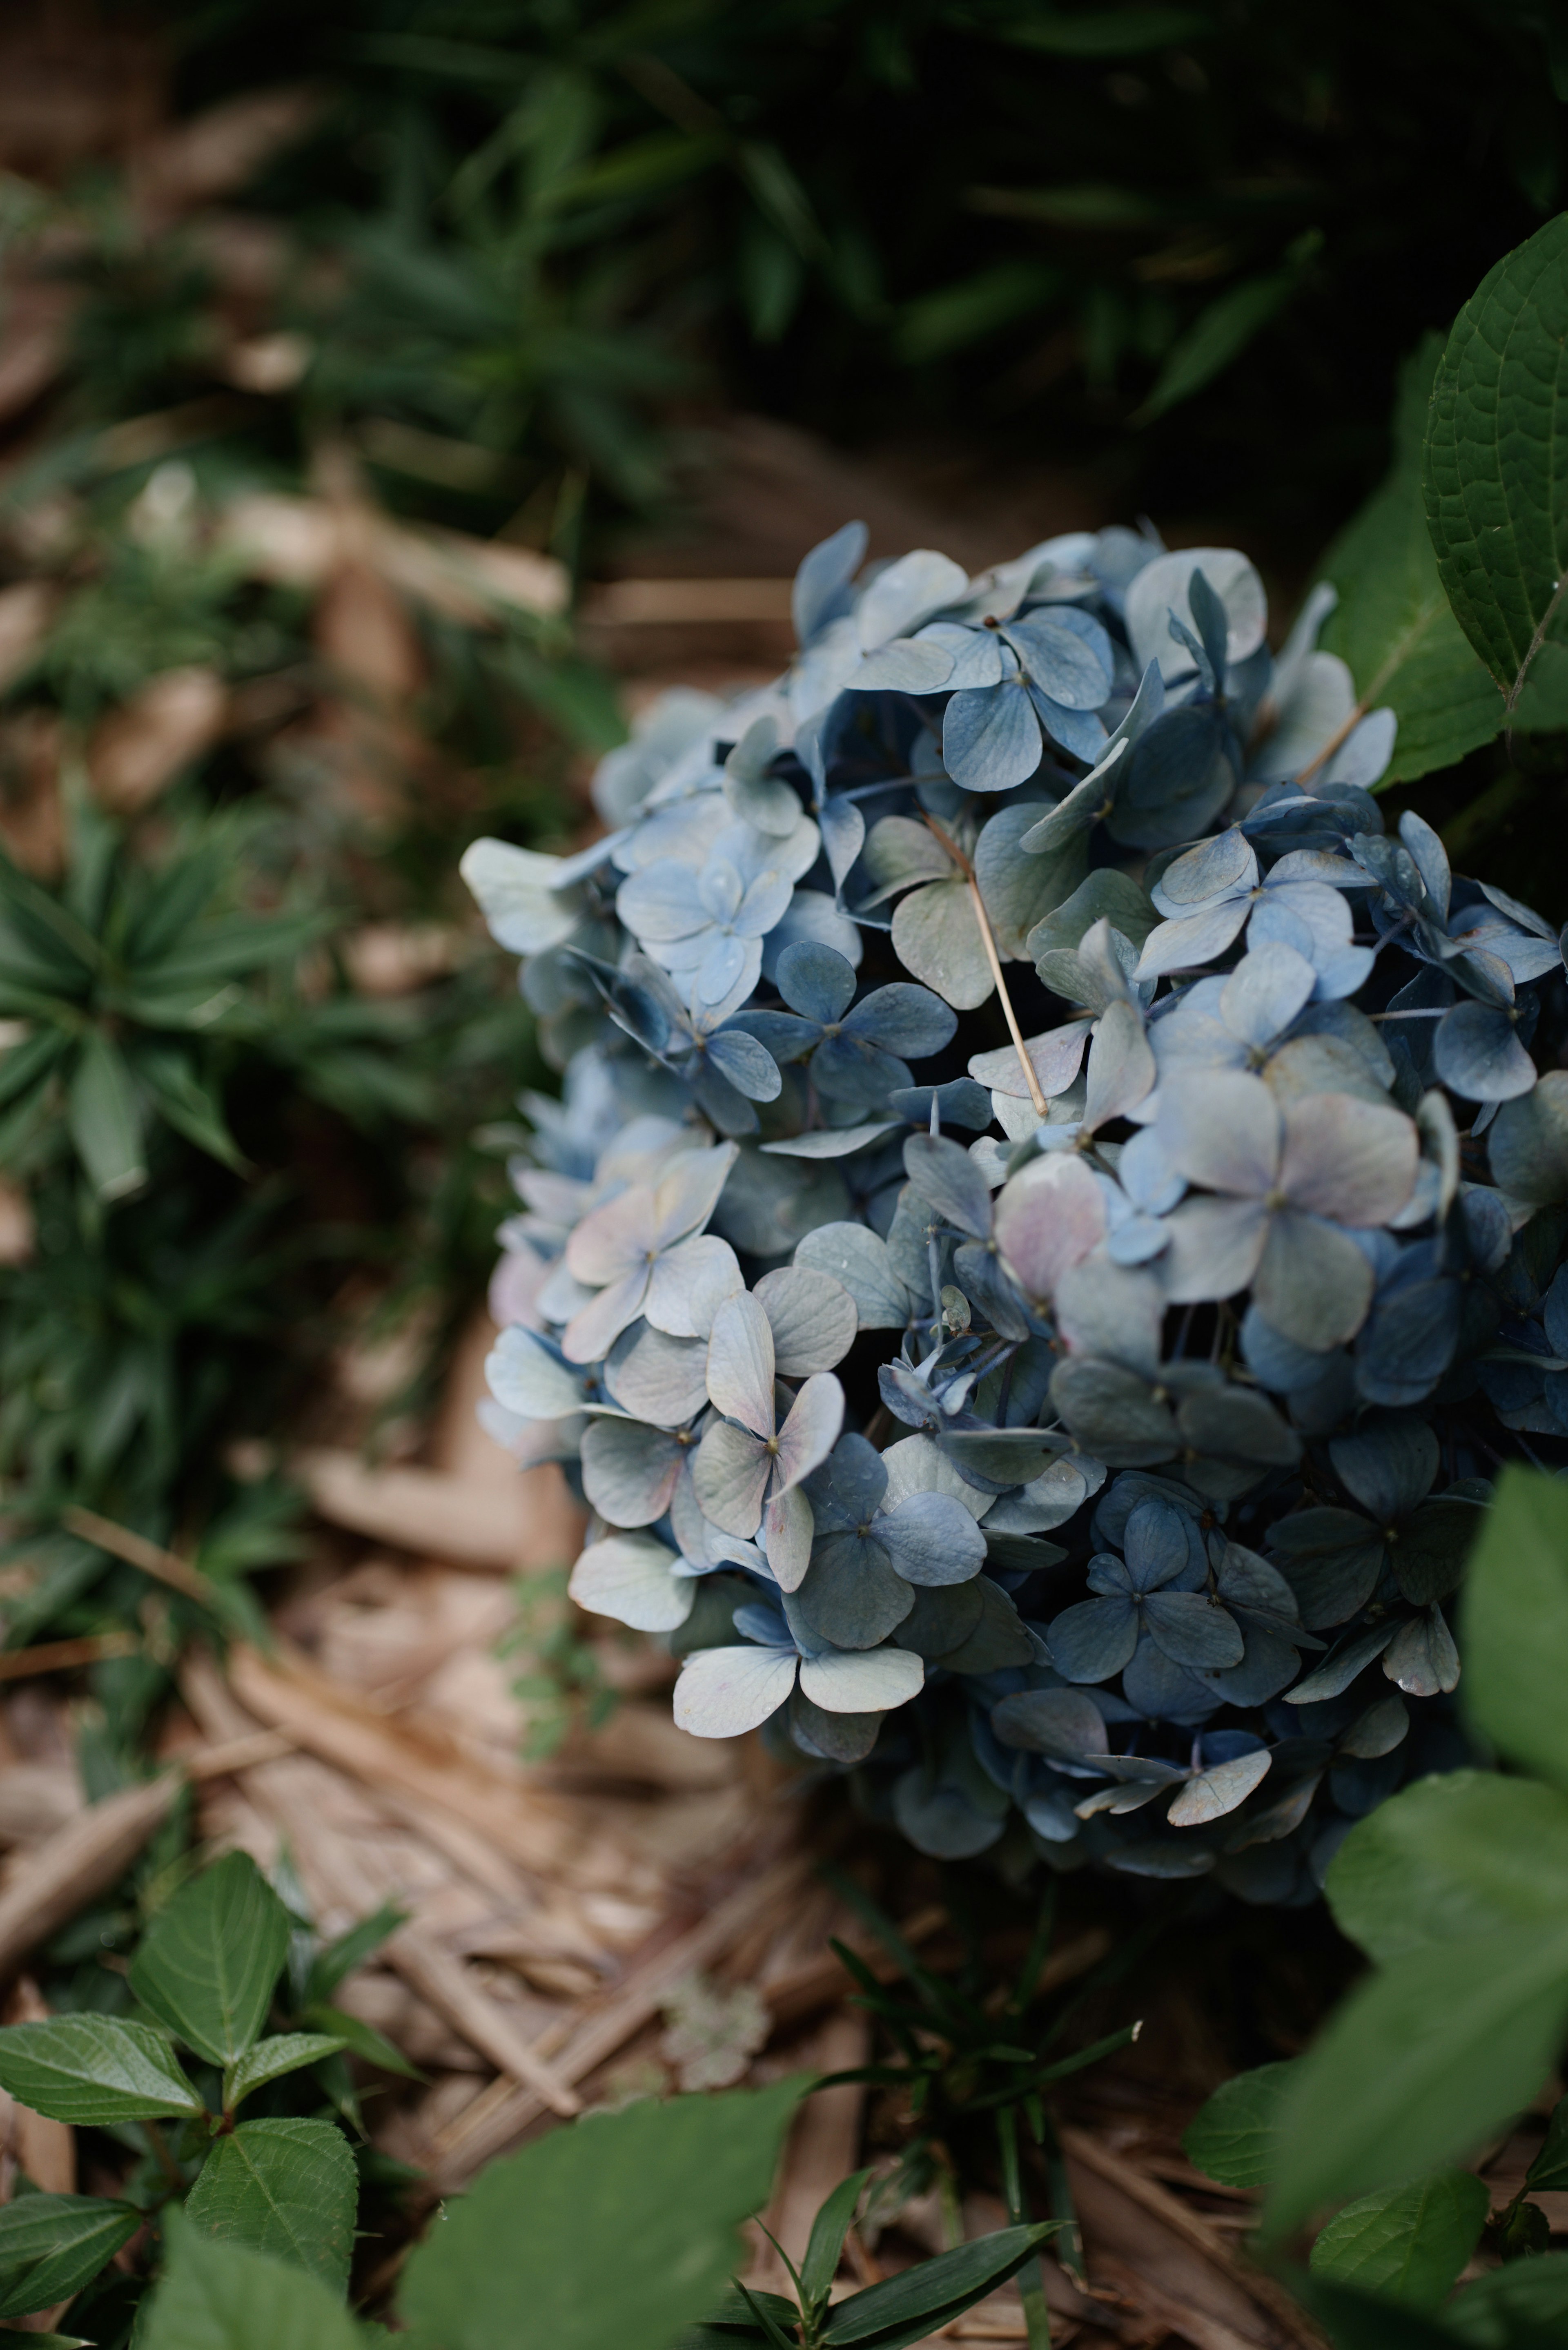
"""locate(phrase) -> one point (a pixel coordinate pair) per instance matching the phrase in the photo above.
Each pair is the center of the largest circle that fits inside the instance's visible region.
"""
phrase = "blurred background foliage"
(337, 348)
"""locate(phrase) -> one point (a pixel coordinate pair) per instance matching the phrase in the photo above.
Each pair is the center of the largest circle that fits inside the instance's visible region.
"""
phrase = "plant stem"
(1030, 2281)
(163, 2158)
(988, 941)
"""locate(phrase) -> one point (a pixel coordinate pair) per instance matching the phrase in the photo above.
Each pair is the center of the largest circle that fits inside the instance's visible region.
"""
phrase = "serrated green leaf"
(1495, 474)
(224, 2296)
(619, 2227)
(1235, 2139)
(1515, 1622)
(94, 2068)
(209, 1962)
(1419, 2064)
(269, 2060)
(52, 2245)
(106, 1118)
(1394, 626)
(1409, 2243)
(288, 2189)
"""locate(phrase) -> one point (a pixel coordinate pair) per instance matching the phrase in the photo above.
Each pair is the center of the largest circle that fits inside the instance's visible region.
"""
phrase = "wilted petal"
(812, 1319)
(1195, 940)
(788, 1525)
(851, 1596)
(613, 1239)
(1476, 1052)
(1354, 1160)
(1313, 1283)
(811, 1430)
(632, 1577)
(943, 1173)
(1226, 866)
(1121, 1067)
(688, 1284)
(629, 1471)
(1056, 1057)
(991, 737)
(915, 1465)
(730, 1476)
(517, 895)
(527, 1376)
(1048, 1217)
(724, 1691)
(1214, 1793)
(594, 1329)
(1422, 1658)
(1221, 1127)
(1264, 992)
(931, 1539)
(1214, 1248)
(1094, 1640)
(740, 1364)
(861, 1261)
(662, 902)
(688, 1193)
(657, 1378)
(1112, 1311)
(1193, 1629)
(872, 1681)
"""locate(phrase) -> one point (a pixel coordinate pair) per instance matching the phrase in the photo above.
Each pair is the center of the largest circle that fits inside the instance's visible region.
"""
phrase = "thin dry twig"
(1031, 1075)
(60, 1655)
(152, 1559)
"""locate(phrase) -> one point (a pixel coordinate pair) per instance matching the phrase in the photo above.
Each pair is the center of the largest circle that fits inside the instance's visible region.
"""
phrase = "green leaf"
(619, 2227)
(1365, 2321)
(224, 2296)
(1524, 2306)
(1222, 332)
(1516, 1622)
(1409, 2241)
(106, 1118)
(1419, 2064)
(94, 2068)
(1495, 474)
(290, 2189)
(51, 2245)
(1549, 2167)
(269, 2060)
(828, 2230)
(922, 2300)
(362, 2038)
(1461, 1854)
(1235, 2139)
(190, 1107)
(1394, 626)
(208, 1965)
(337, 1959)
(1102, 32)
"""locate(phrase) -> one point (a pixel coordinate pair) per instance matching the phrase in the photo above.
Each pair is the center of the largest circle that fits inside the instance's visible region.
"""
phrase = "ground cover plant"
(1256, 1286)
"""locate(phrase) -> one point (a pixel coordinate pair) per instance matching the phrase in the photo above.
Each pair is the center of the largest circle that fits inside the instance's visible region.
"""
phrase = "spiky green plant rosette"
(1052, 1214)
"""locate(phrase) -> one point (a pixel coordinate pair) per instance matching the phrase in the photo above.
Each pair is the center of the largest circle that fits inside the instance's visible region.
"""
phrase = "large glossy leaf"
(1496, 474)
(1410, 2242)
(1459, 1853)
(207, 1966)
(615, 2229)
(94, 2069)
(288, 2189)
(224, 2296)
(1394, 624)
(1423, 2061)
(1516, 1622)
(51, 2245)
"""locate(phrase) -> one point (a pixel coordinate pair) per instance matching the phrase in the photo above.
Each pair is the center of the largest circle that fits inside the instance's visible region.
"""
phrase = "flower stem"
(988, 941)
